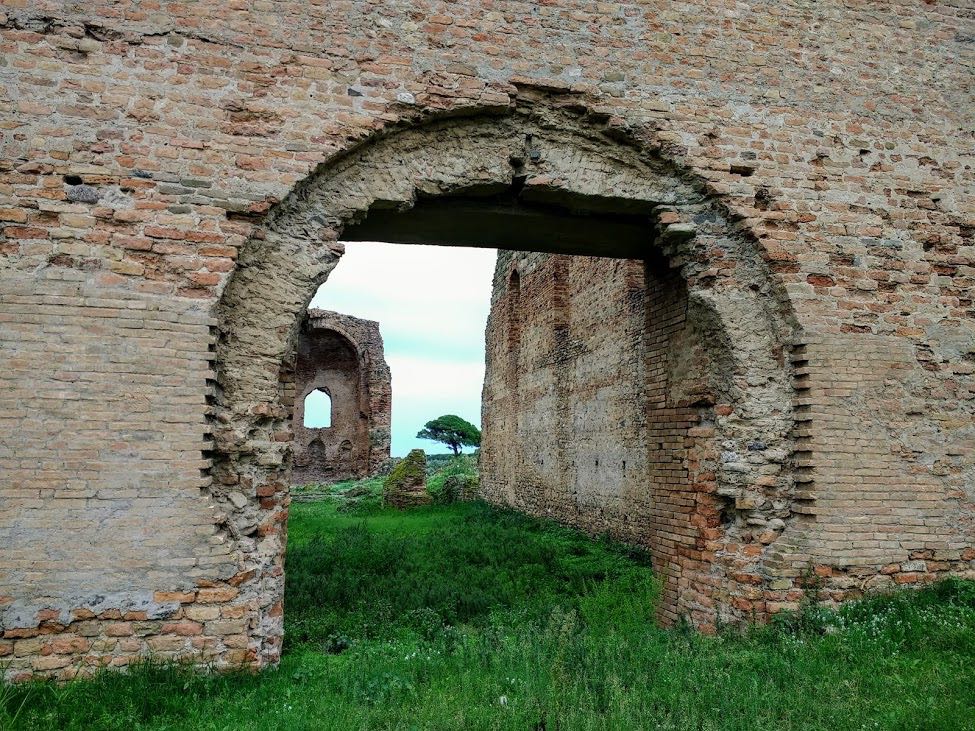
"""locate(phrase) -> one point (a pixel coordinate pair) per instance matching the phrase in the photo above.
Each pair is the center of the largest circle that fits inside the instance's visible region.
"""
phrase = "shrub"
(457, 480)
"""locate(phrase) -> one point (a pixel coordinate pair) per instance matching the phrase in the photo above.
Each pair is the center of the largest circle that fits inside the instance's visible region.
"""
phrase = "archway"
(545, 175)
(326, 361)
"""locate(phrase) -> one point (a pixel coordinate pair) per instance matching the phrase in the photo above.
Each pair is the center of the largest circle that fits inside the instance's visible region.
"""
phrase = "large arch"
(555, 161)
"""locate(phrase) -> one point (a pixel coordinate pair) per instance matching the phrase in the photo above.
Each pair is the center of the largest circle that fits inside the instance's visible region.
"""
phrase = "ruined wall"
(564, 391)
(174, 178)
(344, 356)
(604, 394)
(595, 389)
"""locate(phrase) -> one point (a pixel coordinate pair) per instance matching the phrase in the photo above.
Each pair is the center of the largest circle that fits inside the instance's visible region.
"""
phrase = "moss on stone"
(407, 483)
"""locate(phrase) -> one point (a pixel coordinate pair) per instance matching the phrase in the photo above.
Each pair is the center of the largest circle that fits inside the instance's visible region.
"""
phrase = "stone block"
(406, 485)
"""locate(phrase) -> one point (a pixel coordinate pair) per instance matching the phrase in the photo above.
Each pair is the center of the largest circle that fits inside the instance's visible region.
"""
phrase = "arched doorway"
(546, 176)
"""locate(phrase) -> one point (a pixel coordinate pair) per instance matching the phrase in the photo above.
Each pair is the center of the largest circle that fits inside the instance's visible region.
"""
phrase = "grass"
(466, 617)
(349, 495)
(357, 495)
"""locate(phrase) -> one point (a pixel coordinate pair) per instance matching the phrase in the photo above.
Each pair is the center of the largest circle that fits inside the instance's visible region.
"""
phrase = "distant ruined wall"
(564, 417)
(596, 386)
(175, 181)
(344, 356)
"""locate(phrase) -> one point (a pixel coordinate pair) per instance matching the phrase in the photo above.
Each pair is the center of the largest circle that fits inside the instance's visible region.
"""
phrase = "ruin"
(780, 193)
(342, 357)
(406, 484)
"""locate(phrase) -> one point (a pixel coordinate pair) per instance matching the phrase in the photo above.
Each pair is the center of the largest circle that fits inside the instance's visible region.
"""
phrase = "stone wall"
(174, 182)
(344, 356)
(599, 402)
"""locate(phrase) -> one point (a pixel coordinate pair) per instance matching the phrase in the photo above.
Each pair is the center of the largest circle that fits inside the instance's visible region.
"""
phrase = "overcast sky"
(432, 304)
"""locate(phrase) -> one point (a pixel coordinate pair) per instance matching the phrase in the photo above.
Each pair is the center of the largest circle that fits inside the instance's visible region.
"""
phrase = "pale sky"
(432, 304)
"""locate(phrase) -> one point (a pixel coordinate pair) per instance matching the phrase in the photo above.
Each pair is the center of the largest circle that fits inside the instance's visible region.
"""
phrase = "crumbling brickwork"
(343, 356)
(406, 484)
(175, 181)
(604, 402)
(600, 400)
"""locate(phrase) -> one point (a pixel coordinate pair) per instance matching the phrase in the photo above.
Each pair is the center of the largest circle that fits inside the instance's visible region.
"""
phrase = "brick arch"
(557, 157)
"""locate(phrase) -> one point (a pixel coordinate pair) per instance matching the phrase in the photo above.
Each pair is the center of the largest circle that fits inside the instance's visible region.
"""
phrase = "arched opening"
(709, 375)
(317, 409)
(326, 383)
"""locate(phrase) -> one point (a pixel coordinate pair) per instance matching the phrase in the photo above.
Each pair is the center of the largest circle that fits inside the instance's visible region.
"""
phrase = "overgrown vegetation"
(461, 565)
(467, 617)
(448, 476)
(347, 496)
(455, 477)
(405, 486)
(437, 462)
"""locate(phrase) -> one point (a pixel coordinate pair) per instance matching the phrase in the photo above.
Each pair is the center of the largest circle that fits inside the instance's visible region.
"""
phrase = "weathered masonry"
(340, 357)
(780, 192)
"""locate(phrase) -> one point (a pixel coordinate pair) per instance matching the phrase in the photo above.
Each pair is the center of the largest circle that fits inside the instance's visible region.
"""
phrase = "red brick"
(216, 594)
(166, 597)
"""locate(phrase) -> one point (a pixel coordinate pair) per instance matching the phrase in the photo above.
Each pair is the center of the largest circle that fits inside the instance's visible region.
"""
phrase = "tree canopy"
(452, 431)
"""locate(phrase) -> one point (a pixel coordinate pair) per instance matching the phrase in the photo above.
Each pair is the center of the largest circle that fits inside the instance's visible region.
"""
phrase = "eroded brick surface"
(607, 405)
(174, 182)
(406, 484)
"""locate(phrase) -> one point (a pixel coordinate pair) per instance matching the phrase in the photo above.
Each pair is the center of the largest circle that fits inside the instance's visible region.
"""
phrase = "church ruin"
(762, 368)
(339, 358)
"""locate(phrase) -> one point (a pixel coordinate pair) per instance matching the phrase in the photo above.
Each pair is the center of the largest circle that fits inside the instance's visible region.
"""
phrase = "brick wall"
(877, 499)
(809, 169)
(112, 545)
(889, 493)
(596, 395)
(562, 412)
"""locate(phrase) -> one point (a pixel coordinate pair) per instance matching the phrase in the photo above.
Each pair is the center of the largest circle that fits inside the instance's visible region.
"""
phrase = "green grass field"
(465, 617)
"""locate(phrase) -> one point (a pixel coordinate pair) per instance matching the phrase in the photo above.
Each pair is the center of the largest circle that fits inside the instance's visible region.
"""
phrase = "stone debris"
(406, 485)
